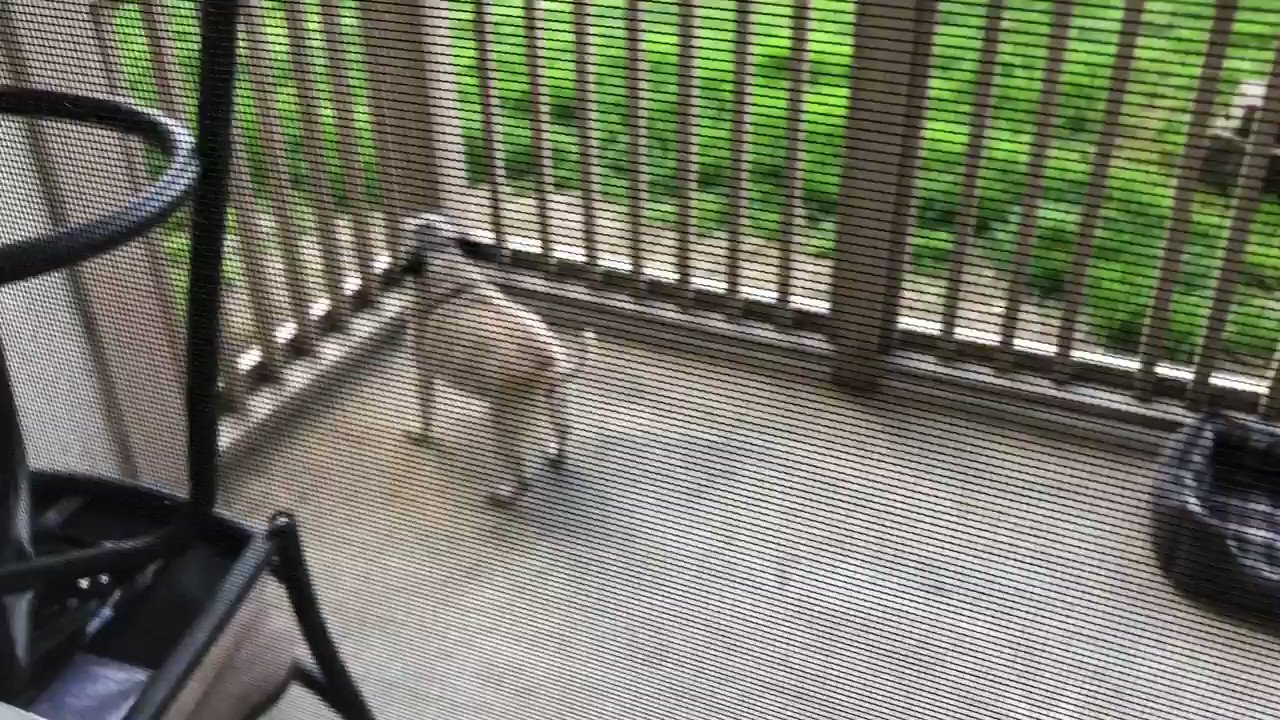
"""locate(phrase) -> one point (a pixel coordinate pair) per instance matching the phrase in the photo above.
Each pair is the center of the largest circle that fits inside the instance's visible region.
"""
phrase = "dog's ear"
(478, 251)
(430, 234)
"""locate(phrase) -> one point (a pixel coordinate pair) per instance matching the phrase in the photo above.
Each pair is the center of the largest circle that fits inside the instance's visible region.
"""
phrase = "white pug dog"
(474, 337)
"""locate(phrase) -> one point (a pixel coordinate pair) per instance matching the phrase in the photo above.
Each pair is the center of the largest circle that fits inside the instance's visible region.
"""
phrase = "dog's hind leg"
(558, 405)
(422, 432)
(520, 425)
(557, 396)
(425, 377)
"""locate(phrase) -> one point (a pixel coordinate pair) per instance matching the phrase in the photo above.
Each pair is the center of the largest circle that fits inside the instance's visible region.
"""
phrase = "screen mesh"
(708, 358)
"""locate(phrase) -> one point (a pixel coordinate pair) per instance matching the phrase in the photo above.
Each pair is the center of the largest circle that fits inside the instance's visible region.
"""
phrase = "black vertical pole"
(15, 492)
(15, 541)
(208, 224)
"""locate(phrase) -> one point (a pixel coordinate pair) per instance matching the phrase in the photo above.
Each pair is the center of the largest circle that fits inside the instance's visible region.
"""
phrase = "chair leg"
(342, 692)
(311, 680)
(296, 675)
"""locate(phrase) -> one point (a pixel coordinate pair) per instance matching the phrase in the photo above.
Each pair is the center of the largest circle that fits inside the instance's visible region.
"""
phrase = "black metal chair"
(89, 564)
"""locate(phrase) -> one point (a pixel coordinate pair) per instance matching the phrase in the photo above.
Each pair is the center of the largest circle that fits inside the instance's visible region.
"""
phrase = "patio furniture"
(123, 602)
(1216, 523)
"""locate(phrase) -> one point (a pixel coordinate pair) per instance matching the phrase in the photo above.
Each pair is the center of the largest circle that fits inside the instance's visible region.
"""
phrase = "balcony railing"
(1010, 192)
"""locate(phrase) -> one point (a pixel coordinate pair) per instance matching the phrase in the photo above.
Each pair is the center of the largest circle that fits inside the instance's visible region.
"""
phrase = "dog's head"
(432, 236)
(435, 238)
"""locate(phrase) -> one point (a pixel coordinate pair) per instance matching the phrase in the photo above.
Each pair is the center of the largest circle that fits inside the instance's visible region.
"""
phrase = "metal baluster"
(1155, 335)
(1059, 36)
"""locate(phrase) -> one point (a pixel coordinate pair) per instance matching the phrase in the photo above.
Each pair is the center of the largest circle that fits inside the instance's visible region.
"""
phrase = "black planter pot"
(1216, 516)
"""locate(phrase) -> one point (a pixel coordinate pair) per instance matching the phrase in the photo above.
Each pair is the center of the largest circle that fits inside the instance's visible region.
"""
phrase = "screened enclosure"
(703, 358)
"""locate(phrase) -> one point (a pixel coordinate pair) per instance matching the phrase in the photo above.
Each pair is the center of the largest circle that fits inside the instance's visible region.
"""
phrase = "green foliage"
(931, 252)
(1119, 300)
(306, 170)
(1189, 311)
(1136, 202)
(1251, 326)
(1262, 256)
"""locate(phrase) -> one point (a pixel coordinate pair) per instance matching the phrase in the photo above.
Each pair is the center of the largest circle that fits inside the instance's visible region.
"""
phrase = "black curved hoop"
(34, 256)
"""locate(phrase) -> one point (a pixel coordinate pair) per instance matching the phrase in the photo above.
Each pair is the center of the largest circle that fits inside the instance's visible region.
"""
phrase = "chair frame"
(199, 169)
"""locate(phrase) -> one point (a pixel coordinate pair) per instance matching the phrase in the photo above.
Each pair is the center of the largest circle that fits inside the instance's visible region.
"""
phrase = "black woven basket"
(1216, 523)
(101, 566)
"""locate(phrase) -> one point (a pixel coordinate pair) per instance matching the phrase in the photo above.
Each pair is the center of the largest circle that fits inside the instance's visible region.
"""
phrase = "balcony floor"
(729, 544)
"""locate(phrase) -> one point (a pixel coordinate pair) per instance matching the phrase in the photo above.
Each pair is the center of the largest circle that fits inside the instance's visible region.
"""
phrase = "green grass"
(1136, 204)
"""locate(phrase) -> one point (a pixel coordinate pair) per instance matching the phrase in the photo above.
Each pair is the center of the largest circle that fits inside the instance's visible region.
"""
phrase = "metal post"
(888, 80)
(15, 541)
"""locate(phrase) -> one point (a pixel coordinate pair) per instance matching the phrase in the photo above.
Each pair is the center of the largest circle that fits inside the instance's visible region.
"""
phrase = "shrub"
(931, 252)
(1118, 301)
(1188, 312)
(1251, 327)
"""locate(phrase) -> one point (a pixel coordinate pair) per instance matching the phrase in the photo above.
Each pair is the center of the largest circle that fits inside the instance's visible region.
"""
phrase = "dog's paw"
(556, 459)
(507, 493)
(425, 438)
